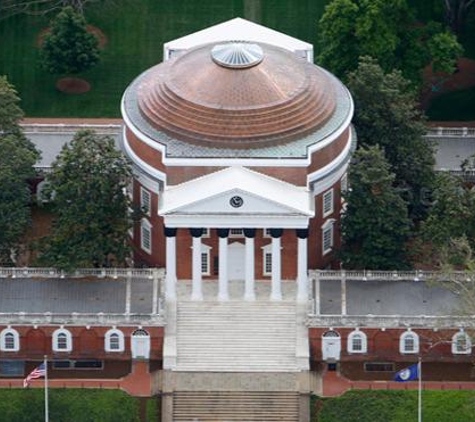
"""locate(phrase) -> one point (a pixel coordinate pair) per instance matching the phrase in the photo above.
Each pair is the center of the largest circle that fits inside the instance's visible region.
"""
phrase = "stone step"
(235, 406)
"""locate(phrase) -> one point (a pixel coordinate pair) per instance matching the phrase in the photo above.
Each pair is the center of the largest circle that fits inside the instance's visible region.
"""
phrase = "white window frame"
(328, 226)
(16, 340)
(205, 250)
(145, 201)
(107, 341)
(69, 340)
(145, 225)
(326, 212)
(266, 251)
(266, 233)
(402, 343)
(364, 342)
(236, 235)
(206, 233)
(468, 340)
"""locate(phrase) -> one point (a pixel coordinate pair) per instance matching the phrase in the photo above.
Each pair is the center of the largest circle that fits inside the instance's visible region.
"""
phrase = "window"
(379, 367)
(205, 260)
(328, 202)
(327, 237)
(145, 201)
(461, 344)
(267, 232)
(146, 236)
(206, 233)
(78, 364)
(9, 340)
(357, 342)
(12, 368)
(267, 260)
(62, 341)
(114, 341)
(236, 233)
(409, 343)
(130, 214)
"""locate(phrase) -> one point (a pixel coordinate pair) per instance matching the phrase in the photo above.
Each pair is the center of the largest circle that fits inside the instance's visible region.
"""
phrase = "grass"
(74, 405)
(397, 406)
(136, 31)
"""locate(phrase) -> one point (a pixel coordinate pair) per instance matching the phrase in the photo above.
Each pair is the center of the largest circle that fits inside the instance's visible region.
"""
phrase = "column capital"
(196, 232)
(222, 233)
(251, 233)
(169, 231)
(276, 233)
(301, 233)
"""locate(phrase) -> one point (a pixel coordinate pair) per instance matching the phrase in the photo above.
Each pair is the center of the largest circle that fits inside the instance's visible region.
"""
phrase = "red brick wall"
(87, 343)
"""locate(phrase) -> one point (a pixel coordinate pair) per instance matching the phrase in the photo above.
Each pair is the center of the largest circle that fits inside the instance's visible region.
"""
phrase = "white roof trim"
(297, 200)
(238, 29)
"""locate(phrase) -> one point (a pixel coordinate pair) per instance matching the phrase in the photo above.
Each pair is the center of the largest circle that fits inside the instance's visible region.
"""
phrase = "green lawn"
(74, 405)
(397, 406)
(136, 30)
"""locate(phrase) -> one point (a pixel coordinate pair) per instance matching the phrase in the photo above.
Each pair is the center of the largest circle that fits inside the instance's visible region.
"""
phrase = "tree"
(87, 185)
(386, 31)
(444, 50)
(38, 7)
(457, 11)
(386, 114)
(17, 158)
(375, 225)
(69, 48)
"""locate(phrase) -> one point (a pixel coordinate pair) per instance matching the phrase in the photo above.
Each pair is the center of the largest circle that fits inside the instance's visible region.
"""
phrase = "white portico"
(236, 198)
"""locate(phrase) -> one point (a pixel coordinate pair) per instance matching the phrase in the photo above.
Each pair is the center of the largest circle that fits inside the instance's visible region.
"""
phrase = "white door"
(236, 261)
(331, 346)
(140, 344)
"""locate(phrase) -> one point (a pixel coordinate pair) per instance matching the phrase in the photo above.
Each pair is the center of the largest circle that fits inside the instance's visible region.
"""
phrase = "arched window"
(409, 343)
(9, 340)
(461, 344)
(357, 342)
(114, 341)
(62, 341)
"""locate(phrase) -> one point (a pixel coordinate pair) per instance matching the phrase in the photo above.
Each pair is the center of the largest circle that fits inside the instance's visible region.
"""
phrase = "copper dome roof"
(197, 99)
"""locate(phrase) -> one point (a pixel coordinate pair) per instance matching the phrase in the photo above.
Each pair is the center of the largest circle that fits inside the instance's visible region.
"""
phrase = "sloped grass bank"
(76, 405)
(395, 406)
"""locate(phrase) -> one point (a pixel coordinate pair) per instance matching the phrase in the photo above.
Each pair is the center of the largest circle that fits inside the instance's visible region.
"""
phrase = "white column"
(343, 293)
(276, 293)
(302, 276)
(223, 269)
(249, 293)
(196, 287)
(170, 277)
(317, 292)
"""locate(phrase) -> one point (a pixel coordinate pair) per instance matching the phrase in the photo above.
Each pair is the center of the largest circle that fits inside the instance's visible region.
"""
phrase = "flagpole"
(46, 389)
(419, 409)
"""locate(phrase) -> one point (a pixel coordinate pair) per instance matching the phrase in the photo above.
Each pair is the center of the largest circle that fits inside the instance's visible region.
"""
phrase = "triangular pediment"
(236, 191)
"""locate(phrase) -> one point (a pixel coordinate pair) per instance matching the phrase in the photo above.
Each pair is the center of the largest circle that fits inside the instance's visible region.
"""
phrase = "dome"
(237, 95)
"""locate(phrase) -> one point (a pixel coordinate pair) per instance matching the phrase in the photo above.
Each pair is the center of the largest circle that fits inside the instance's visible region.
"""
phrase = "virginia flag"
(410, 373)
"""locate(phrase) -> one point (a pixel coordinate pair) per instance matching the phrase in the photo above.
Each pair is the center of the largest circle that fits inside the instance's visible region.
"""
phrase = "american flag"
(38, 372)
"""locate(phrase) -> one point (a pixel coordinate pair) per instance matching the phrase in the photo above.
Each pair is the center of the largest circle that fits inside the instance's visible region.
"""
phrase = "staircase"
(236, 406)
(236, 336)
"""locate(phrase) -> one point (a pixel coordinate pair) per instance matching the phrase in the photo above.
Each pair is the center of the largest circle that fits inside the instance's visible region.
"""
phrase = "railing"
(110, 129)
(113, 273)
(365, 275)
(450, 132)
(391, 321)
(76, 318)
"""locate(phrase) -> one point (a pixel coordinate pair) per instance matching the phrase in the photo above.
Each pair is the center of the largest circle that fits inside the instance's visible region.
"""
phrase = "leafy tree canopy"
(69, 48)
(88, 184)
(17, 158)
(375, 225)
(387, 31)
(386, 114)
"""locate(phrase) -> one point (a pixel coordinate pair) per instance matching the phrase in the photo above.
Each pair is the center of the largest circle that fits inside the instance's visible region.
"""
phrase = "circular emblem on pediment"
(236, 201)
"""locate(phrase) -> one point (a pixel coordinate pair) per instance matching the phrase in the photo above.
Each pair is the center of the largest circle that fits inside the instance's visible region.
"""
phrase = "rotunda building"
(240, 151)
